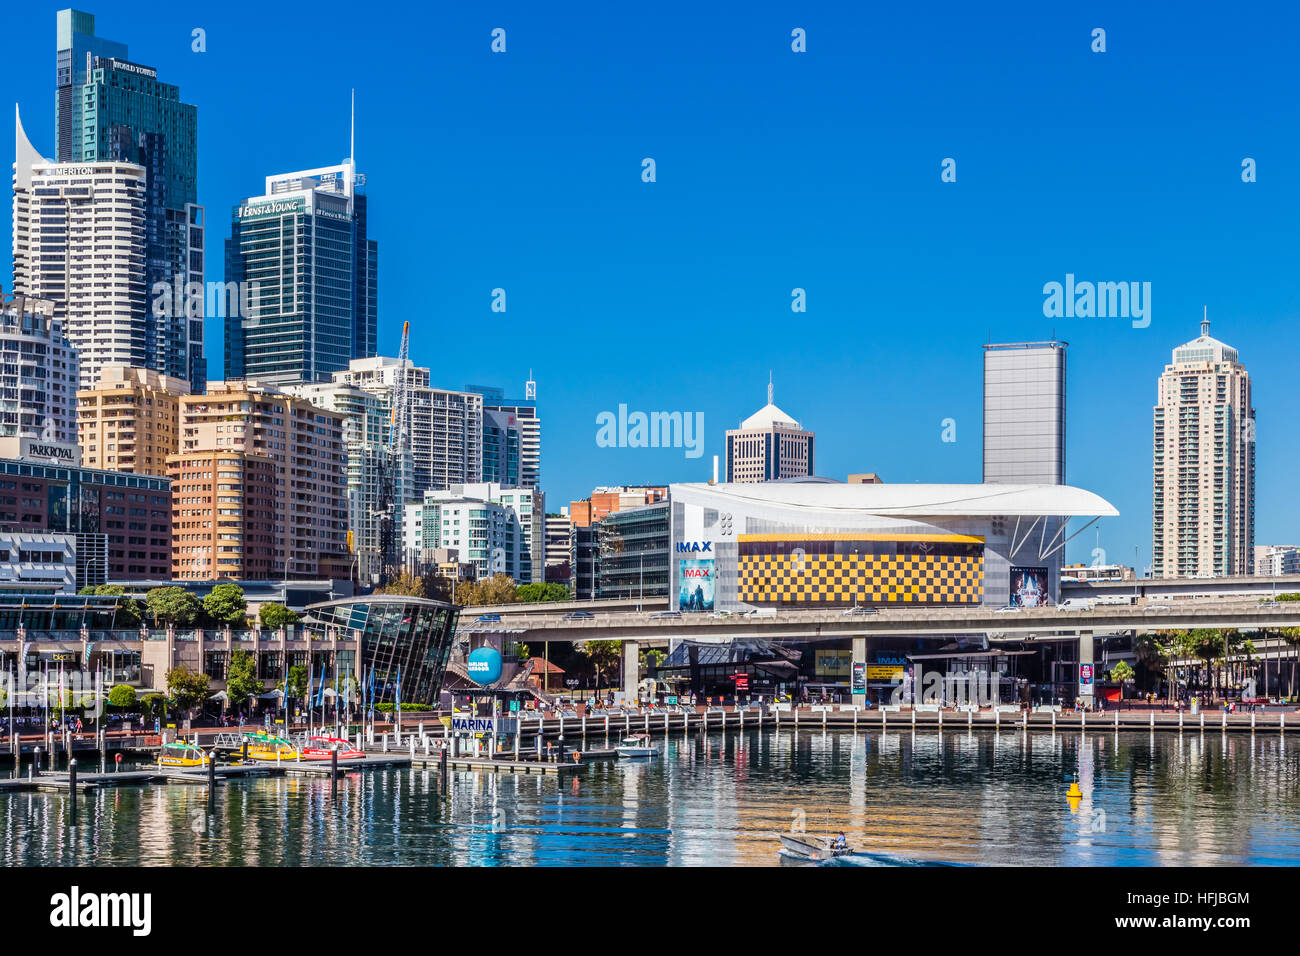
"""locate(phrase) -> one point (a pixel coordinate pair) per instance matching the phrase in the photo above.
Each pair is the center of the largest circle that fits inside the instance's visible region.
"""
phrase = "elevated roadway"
(620, 624)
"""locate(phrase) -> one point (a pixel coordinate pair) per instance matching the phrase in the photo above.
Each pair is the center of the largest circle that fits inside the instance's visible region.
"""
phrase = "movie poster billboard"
(1029, 587)
(695, 579)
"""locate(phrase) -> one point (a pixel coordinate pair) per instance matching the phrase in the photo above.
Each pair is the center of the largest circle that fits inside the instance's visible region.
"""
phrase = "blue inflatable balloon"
(484, 665)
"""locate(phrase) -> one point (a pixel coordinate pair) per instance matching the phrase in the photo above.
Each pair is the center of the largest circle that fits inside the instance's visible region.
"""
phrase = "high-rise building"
(501, 448)
(585, 517)
(366, 414)
(557, 546)
(1203, 506)
(316, 308)
(498, 530)
(131, 420)
(768, 446)
(111, 109)
(75, 41)
(446, 427)
(79, 241)
(306, 443)
(632, 552)
(1275, 559)
(530, 426)
(604, 500)
(223, 515)
(1024, 413)
(39, 563)
(38, 373)
(122, 523)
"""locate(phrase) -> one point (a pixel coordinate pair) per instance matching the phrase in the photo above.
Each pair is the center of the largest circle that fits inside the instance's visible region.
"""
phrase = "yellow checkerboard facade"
(919, 572)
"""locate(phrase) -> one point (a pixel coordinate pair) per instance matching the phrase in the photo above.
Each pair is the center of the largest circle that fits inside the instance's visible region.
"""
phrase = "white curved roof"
(767, 416)
(917, 500)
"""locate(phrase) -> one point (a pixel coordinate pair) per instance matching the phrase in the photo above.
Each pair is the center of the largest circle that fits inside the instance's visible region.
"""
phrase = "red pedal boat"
(321, 748)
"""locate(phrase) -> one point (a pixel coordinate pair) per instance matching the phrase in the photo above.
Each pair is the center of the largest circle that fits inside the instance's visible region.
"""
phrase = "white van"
(1077, 604)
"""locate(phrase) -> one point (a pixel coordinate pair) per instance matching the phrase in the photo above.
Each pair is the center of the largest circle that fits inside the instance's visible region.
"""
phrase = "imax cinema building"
(812, 543)
(807, 543)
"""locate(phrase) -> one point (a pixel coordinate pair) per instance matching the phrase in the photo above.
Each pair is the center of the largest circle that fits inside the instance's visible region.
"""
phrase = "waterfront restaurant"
(386, 635)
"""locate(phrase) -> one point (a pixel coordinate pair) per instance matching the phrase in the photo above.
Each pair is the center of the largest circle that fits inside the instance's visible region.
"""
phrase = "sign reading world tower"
(1203, 505)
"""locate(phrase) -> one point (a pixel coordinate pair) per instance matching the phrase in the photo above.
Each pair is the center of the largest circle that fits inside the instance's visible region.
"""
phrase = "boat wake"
(861, 859)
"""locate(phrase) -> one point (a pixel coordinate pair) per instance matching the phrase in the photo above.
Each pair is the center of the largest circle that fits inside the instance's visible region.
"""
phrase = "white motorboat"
(811, 847)
(637, 745)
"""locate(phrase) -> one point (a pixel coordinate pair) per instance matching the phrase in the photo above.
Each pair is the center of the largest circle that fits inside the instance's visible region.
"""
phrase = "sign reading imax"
(693, 547)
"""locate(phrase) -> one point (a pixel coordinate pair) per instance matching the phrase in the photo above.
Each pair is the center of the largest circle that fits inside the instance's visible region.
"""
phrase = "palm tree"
(1151, 655)
(1292, 636)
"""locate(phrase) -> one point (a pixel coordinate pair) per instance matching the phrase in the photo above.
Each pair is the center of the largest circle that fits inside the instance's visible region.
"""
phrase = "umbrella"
(271, 695)
(220, 695)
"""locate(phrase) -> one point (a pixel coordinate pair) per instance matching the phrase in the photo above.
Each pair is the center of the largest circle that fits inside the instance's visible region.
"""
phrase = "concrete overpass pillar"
(1087, 676)
(631, 668)
(859, 657)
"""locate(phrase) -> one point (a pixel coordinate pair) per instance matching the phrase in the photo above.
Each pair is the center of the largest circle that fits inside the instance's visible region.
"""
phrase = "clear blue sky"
(775, 170)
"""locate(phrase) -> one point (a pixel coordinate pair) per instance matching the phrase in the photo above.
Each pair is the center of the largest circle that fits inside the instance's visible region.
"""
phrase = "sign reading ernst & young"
(275, 207)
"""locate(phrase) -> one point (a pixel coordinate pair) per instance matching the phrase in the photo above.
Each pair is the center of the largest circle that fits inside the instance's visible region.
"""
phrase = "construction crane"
(391, 487)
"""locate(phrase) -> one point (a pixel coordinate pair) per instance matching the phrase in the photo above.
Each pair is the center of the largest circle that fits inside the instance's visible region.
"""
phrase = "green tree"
(1122, 672)
(439, 587)
(122, 696)
(603, 655)
(404, 584)
(651, 657)
(1292, 636)
(173, 605)
(276, 616)
(297, 682)
(242, 684)
(129, 610)
(225, 604)
(188, 688)
(536, 593)
(153, 705)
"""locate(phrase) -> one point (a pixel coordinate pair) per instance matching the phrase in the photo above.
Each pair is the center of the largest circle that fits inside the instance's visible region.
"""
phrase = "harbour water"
(957, 797)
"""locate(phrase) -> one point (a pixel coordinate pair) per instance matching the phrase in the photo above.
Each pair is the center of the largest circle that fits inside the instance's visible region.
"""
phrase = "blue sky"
(775, 170)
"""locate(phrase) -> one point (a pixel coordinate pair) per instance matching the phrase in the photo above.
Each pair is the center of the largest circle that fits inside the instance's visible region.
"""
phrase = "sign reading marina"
(472, 725)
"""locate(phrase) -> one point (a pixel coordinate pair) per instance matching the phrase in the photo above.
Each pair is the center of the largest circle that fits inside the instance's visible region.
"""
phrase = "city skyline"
(887, 351)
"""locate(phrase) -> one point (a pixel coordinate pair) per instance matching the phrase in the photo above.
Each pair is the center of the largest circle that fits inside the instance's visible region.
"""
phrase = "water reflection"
(958, 796)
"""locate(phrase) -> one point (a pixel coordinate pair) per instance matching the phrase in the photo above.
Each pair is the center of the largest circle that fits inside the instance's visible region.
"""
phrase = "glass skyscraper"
(112, 109)
(311, 275)
(524, 412)
(501, 447)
